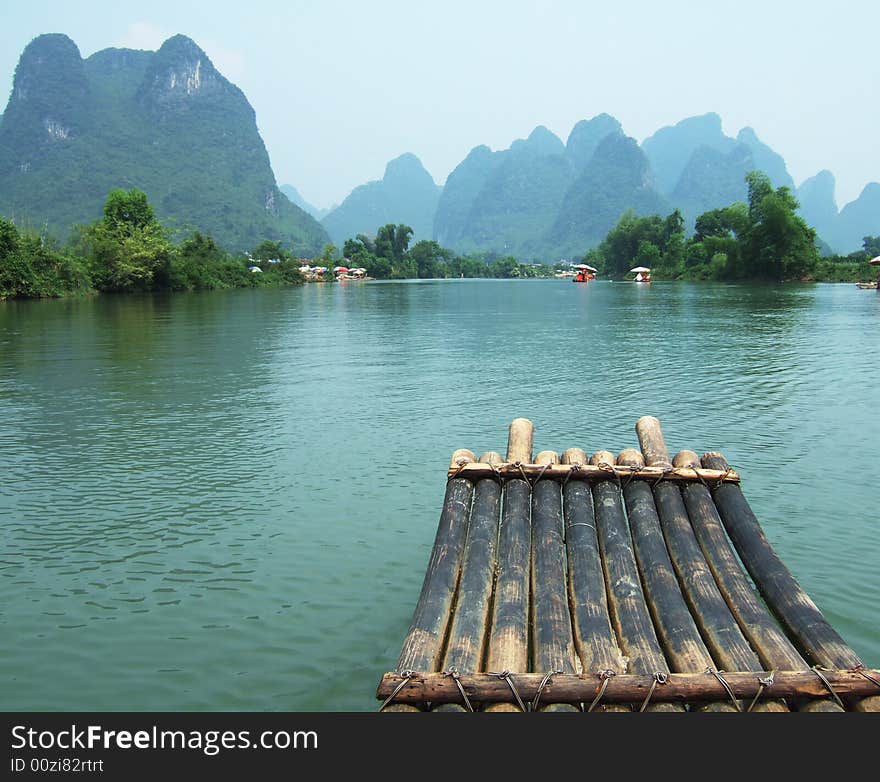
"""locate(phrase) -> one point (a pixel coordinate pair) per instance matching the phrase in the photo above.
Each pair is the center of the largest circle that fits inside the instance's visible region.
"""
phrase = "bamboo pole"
(717, 625)
(593, 635)
(797, 612)
(652, 442)
(552, 643)
(470, 623)
(729, 648)
(815, 637)
(629, 612)
(629, 688)
(591, 624)
(675, 626)
(423, 646)
(519, 441)
(752, 616)
(508, 645)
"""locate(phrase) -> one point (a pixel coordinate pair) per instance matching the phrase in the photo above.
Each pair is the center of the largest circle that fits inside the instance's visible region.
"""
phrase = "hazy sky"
(340, 88)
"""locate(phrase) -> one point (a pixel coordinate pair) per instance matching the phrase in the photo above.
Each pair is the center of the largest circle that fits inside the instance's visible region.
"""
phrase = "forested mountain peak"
(165, 122)
(618, 177)
(50, 93)
(181, 73)
(406, 194)
(407, 169)
(586, 135)
(541, 141)
(671, 147)
(765, 159)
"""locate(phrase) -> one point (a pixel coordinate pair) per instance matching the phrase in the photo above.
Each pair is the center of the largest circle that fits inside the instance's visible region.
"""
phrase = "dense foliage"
(388, 256)
(128, 250)
(764, 239)
(616, 179)
(31, 267)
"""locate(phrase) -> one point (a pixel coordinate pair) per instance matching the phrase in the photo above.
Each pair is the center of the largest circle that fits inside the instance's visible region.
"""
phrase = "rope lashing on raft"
(605, 467)
(406, 676)
(763, 684)
(576, 467)
(666, 471)
(659, 678)
(860, 669)
(604, 677)
(632, 472)
(720, 482)
(462, 462)
(815, 669)
(507, 677)
(548, 677)
(703, 480)
(456, 677)
(723, 681)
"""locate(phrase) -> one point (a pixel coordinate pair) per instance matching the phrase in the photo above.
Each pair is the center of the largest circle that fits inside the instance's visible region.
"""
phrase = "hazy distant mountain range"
(166, 122)
(170, 124)
(406, 194)
(543, 198)
(295, 197)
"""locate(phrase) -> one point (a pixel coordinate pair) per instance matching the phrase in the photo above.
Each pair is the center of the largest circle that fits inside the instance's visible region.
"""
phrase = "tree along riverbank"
(128, 250)
(762, 240)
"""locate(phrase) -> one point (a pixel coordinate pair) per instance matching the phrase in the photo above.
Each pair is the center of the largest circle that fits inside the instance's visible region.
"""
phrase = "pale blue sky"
(340, 88)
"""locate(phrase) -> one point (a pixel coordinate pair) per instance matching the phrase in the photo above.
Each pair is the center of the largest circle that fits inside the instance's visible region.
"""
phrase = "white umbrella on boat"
(875, 261)
(585, 267)
(640, 269)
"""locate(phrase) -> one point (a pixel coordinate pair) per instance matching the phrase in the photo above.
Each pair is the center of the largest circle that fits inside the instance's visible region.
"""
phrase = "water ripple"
(203, 495)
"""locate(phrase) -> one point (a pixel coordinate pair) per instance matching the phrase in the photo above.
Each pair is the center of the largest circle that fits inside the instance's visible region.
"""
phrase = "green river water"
(226, 501)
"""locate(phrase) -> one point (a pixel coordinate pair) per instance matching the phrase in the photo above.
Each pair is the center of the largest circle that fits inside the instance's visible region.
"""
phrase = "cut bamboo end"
(602, 457)
(686, 459)
(630, 457)
(547, 457)
(491, 457)
(651, 442)
(575, 456)
(461, 457)
(519, 440)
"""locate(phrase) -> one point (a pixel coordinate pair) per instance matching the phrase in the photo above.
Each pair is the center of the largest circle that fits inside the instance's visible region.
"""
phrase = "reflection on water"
(194, 497)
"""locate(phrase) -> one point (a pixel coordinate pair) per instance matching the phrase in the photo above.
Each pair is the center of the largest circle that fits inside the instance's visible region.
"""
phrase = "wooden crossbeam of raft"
(474, 471)
(631, 688)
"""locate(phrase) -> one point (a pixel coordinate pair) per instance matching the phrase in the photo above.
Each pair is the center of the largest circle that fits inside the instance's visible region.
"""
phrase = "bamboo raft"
(628, 583)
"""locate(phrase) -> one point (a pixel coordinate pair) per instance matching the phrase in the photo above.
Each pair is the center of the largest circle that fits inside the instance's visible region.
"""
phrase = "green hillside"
(712, 180)
(617, 178)
(406, 194)
(166, 122)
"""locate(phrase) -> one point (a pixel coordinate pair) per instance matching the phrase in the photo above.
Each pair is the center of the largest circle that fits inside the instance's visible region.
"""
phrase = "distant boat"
(643, 274)
(867, 286)
(585, 272)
